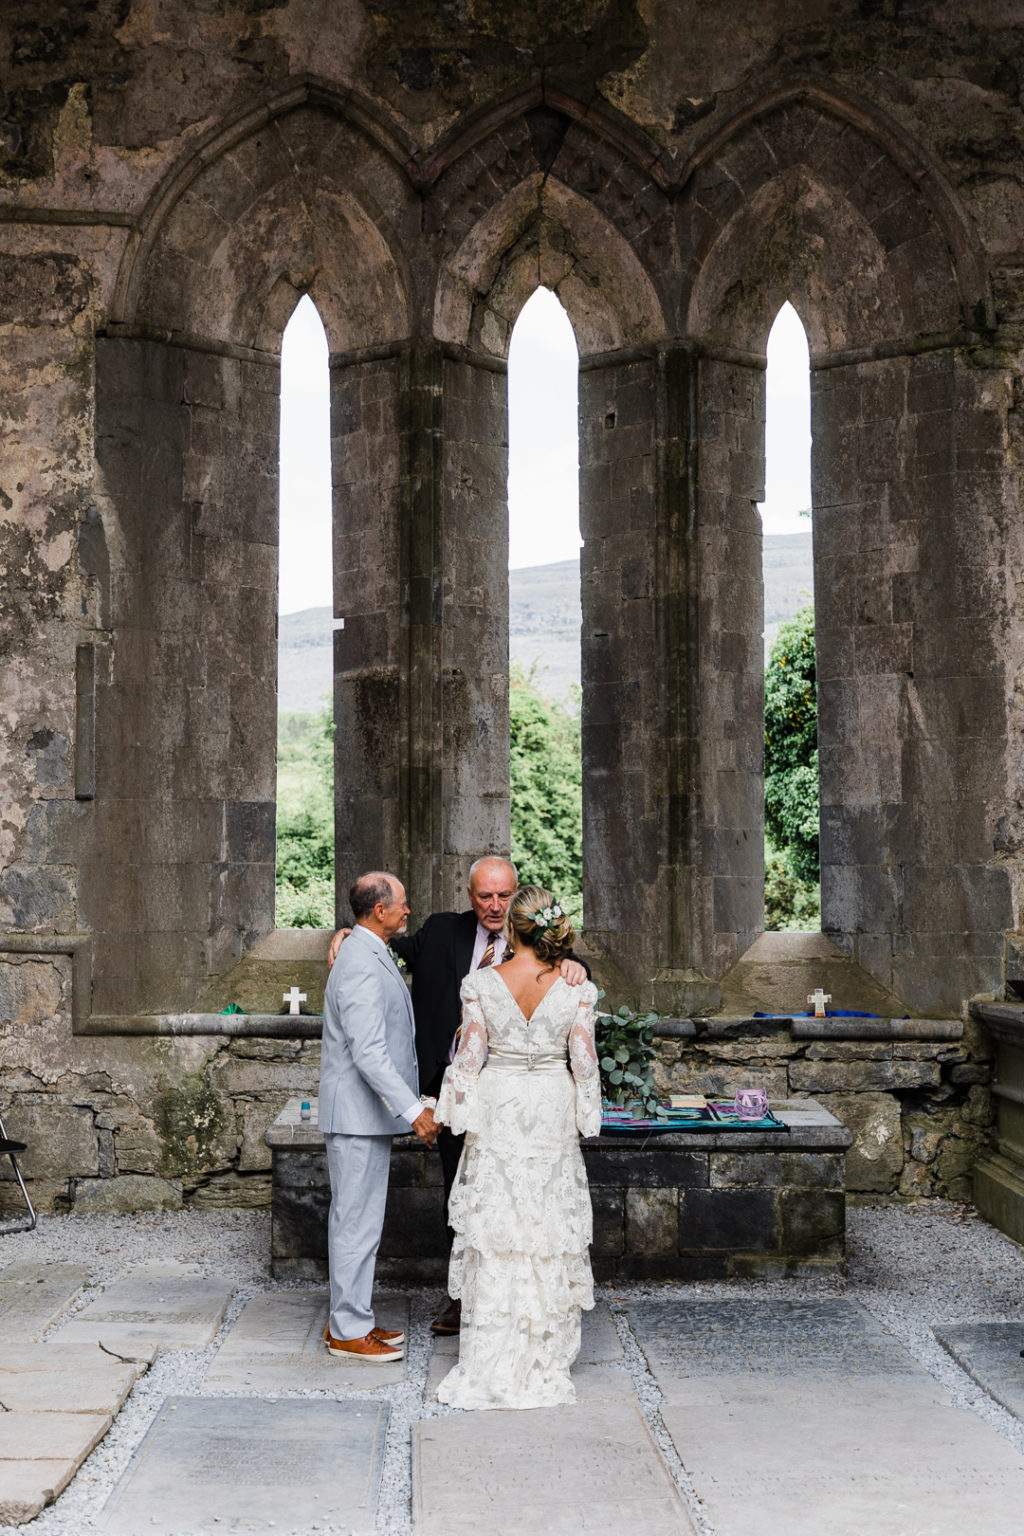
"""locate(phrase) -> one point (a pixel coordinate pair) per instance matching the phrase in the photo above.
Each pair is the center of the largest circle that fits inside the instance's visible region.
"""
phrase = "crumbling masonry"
(174, 176)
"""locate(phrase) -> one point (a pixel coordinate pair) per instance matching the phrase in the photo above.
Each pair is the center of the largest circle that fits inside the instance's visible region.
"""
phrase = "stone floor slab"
(64, 1388)
(591, 1469)
(161, 1304)
(210, 1464)
(595, 1380)
(276, 1344)
(26, 1487)
(40, 1357)
(51, 1436)
(990, 1354)
(772, 1469)
(599, 1338)
(808, 1417)
(832, 1345)
(32, 1296)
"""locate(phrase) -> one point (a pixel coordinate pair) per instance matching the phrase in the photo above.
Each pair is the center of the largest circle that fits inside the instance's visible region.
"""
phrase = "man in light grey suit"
(368, 1094)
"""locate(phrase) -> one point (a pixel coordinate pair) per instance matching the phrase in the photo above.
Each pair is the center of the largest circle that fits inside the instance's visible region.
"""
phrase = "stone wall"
(920, 1109)
(169, 188)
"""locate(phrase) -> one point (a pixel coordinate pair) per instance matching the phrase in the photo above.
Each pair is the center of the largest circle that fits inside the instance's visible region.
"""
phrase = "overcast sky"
(543, 496)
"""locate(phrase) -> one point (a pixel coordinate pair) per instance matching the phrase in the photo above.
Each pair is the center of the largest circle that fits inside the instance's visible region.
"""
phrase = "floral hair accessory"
(545, 917)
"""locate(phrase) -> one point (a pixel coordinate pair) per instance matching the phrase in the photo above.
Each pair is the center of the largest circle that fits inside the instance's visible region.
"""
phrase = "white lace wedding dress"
(520, 1206)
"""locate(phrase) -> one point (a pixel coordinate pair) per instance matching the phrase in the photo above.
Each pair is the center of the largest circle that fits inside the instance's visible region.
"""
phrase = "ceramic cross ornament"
(293, 997)
(818, 999)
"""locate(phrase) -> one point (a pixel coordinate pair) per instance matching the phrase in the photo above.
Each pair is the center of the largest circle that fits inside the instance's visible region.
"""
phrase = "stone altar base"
(688, 1205)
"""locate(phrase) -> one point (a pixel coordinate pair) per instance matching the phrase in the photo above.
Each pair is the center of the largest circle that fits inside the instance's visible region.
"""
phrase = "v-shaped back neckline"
(508, 989)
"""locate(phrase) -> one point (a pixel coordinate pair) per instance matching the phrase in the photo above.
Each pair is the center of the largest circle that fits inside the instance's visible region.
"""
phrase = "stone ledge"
(809, 1126)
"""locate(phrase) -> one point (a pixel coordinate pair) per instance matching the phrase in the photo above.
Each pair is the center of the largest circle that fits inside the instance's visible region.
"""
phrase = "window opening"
(792, 887)
(305, 731)
(544, 601)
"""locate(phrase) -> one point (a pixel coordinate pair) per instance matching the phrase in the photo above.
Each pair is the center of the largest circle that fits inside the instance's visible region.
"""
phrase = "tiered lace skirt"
(521, 1213)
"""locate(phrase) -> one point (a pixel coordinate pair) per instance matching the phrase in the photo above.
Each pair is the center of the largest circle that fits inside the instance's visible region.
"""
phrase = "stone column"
(671, 468)
(917, 555)
(178, 844)
(421, 563)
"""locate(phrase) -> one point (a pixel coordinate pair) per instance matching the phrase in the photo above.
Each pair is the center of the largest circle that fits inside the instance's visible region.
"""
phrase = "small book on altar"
(688, 1101)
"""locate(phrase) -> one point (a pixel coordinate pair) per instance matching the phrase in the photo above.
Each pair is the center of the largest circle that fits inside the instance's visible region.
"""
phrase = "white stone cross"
(817, 997)
(293, 997)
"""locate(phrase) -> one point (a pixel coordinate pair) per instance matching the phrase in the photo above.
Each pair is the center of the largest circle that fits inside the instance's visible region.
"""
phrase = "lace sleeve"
(583, 1061)
(457, 1104)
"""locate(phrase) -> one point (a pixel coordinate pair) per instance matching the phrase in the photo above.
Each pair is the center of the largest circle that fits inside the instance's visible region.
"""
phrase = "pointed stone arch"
(807, 197)
(542, 233)
(303, 196)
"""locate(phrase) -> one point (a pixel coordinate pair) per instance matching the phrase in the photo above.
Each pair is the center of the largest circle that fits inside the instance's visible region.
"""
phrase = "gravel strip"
(914, 1268)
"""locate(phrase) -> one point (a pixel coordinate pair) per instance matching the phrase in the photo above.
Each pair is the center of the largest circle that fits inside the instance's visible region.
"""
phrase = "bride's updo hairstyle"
(535, 919)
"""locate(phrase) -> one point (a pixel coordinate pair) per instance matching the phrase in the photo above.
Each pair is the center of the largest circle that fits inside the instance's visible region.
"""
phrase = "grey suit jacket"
(368, 1071)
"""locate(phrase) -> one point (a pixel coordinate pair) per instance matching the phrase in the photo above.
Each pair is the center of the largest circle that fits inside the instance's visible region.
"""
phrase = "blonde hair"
(549, 941)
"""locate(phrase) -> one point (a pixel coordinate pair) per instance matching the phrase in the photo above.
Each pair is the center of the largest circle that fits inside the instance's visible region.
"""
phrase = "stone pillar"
(421, 582)
(178, 843)
(731, 650)
(671, 469)
(917, 553)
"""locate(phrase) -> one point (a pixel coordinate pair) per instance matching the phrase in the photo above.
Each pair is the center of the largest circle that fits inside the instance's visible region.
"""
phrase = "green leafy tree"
(305, 821)
(547, 792)
(791, 776)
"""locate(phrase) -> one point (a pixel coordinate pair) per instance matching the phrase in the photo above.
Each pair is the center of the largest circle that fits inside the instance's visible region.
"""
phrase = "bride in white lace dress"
(520, 1207)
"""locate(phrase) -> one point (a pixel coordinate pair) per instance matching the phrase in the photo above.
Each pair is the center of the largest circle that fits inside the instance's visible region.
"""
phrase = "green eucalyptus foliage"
(547, 792)
(791, 747)
(625, 1053)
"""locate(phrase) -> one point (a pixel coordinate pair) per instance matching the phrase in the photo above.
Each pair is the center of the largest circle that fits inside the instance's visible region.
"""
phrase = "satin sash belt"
(527, 1061)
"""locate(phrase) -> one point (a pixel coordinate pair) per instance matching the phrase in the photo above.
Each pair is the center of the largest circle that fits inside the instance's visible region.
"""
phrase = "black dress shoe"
(450, 1320)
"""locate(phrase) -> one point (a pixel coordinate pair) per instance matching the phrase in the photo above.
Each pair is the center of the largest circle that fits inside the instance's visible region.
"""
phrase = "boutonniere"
(396, 958)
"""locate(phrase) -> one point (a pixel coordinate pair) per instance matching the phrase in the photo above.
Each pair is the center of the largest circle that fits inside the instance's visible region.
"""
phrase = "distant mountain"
(544, 623)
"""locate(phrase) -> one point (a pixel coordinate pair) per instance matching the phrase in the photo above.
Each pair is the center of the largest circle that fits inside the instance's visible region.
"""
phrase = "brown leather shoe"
(385, 1335)
(373, 1351)
(450, 1320)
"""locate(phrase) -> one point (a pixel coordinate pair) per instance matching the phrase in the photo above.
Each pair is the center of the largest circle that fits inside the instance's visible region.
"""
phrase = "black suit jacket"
(439, 955)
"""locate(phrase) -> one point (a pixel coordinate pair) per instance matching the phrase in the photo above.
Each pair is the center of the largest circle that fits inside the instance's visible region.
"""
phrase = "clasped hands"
(426, 1127)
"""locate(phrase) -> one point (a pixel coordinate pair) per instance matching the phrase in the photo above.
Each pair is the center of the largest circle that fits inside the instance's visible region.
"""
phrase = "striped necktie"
(486, 960)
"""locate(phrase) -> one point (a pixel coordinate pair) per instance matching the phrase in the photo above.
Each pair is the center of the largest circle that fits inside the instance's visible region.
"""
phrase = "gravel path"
(914, 1268)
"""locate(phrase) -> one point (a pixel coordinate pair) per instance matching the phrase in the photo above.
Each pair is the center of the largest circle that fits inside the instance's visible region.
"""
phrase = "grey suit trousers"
(358, 1168)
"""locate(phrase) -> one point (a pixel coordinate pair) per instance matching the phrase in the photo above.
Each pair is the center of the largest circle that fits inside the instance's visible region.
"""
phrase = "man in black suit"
(440, 954)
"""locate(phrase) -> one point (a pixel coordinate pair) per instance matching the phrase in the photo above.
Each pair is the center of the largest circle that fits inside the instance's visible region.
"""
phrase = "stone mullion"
(677, 588)
(420, 685)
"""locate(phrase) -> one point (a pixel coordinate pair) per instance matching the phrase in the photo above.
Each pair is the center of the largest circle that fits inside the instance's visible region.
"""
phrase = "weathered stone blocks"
(678, 1205)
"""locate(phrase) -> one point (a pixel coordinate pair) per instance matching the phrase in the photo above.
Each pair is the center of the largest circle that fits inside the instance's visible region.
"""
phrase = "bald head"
(492, 884)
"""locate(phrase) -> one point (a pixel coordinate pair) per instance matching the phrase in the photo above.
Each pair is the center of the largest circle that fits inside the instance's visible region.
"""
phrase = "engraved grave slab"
(162, 1304)
(32, 1296)
(803, 1417)
(990, 1354)
(735, 1347)
(276, 1344)
(217, 1464)
(546, 1471)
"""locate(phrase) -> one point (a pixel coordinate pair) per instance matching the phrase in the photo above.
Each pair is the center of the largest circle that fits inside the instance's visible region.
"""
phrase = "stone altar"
(689, 1205)
(999, 1175)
